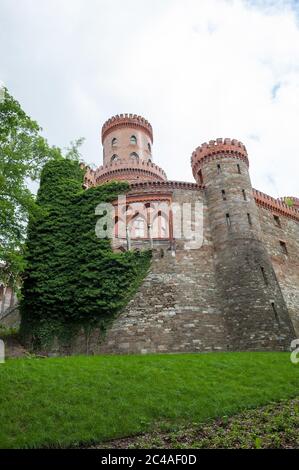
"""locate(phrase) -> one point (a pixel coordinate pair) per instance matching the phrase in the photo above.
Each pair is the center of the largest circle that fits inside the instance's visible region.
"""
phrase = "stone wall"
(286, 266)
(192, 300)
(177, 308)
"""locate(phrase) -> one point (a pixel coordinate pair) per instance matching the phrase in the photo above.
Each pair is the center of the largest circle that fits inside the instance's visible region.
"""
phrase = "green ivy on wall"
(73, 278)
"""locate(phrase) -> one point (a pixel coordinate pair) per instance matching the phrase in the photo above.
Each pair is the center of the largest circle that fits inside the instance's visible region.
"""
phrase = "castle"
(240, 289)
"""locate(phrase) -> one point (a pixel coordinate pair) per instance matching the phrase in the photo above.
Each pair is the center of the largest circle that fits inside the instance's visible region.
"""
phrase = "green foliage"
(8, 331)
(76, 401)
(289, 201)
(72, 152)
(23, 153)
(73, 278)
(275, 425)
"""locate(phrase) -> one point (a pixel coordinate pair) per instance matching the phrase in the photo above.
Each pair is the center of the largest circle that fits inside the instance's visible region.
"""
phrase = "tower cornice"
(217, 149)
(127, 120)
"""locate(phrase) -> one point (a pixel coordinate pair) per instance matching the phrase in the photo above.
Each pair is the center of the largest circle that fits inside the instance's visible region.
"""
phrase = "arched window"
(114, 142)
(114, 158)
(149, 147)
(138, 227)
(160, 226)
(134, 156)
(133, 140)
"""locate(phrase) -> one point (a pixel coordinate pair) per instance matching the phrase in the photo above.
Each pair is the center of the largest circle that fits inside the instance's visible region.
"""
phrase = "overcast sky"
(196, 69)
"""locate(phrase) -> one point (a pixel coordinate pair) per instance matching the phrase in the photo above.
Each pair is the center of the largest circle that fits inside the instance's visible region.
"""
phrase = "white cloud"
(196, 69)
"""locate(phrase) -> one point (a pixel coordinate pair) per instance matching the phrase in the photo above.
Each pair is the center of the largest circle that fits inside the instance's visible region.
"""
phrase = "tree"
(23, 153)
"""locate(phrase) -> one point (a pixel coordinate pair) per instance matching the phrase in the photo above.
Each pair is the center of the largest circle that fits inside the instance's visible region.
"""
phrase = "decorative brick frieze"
(126, 120)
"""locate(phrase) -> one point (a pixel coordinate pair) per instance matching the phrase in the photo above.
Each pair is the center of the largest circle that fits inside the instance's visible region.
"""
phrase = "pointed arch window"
(134, 156)
(160, 226)
(133, 140)
(139, 227)
(114, 158)
(114, 142)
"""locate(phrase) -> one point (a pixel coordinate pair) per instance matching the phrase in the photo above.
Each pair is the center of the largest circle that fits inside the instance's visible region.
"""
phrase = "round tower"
(127, 151)
(254, 308)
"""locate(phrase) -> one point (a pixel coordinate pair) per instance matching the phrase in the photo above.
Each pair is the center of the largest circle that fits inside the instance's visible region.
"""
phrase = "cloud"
(196, 69)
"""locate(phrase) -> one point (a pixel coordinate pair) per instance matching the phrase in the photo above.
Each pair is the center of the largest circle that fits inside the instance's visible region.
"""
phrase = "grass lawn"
(72, 401)
(273, 426)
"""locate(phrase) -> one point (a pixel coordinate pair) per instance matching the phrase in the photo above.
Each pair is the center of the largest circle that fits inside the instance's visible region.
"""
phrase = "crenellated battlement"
(218, 146)
(216, 149)
(127, 120)
(290, 201)
(276, 205)
(130, 171)
(135, 164)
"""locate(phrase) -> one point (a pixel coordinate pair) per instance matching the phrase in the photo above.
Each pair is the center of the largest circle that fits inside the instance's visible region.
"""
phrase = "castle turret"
(127, 151)
(254, 308)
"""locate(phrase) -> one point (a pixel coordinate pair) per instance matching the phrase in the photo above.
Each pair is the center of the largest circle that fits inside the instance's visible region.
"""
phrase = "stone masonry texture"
(239, 289)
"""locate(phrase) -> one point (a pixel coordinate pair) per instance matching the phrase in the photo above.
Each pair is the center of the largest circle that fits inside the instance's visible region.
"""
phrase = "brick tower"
(127, 151)
(255, 311)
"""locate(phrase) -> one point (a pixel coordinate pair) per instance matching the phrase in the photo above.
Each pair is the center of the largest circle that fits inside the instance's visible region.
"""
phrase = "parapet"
(130, 171)
(218, 146)
(279, 206)
(290, 201)
(215, 149)
(127, 120)
(89, 177)
(185, 185)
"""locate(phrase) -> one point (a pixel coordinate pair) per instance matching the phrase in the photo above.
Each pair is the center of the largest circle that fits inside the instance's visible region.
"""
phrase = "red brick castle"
(240, 289)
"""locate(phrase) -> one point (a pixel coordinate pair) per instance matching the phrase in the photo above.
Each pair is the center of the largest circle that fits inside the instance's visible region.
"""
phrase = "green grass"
(274, 426)
(72, 401)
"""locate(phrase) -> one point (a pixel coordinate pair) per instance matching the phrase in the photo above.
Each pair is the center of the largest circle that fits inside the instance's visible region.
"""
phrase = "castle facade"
(238, 290)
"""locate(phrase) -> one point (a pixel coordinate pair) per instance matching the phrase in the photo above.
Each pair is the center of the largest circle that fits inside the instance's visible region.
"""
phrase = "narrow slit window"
(218, 168)
(244, 195)
(200, 177)
(223, 194)
(283, 247)
(249, 218)
(239, 168)
(275, 312)
(277, 220)
(228, 221)
(264, 275)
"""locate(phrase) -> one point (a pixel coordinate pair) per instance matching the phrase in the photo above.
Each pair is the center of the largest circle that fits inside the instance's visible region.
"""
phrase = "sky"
(196, 69)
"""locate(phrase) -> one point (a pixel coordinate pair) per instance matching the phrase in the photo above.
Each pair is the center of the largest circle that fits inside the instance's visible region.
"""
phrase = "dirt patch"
(272, 426)
(13, 347)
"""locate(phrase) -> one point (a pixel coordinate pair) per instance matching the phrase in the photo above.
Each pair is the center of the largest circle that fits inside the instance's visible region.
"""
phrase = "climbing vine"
(73, 279)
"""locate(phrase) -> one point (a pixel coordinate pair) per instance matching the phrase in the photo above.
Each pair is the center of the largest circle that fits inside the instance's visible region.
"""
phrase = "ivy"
(73, 279)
